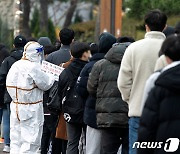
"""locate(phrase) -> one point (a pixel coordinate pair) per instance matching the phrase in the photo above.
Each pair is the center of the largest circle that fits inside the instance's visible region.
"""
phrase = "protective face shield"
(40, 51)
(34, 52)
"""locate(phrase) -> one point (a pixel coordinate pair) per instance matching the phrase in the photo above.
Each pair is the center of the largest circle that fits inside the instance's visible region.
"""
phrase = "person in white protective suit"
(25, 83)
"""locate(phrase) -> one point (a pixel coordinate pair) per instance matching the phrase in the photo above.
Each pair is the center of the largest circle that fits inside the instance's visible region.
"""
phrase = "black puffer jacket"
(160, 119)
(89, 111)
(4, 69)
(111, 110)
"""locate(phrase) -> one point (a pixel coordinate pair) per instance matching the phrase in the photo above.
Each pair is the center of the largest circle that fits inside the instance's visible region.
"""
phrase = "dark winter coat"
(4, 69)
(89, 111)
(160, 119)
(3, 53)
(75, 68)
(111, 110)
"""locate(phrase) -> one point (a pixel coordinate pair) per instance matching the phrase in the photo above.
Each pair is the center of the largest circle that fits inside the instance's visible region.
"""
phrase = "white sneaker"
(6, 148)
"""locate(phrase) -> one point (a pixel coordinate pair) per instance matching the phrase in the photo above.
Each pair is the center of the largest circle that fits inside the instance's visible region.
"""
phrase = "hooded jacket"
(106, 40)
(161, 117)
(111, 110)
(4, 69)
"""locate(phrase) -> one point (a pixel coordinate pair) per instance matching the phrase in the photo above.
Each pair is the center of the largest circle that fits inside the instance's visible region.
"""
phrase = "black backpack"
(72, 103)
(53, 103)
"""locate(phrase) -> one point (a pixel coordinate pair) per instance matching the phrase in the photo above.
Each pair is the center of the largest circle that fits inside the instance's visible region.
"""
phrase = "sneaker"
(6, 148)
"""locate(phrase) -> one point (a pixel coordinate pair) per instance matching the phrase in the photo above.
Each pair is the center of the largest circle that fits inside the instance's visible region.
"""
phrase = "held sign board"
(50, 68)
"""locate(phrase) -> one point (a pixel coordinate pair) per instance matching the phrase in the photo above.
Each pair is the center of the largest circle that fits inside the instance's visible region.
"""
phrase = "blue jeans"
(133, 133)
(6, 125)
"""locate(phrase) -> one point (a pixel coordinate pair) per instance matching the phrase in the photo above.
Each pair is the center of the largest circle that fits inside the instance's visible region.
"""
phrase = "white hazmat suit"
(25, 83)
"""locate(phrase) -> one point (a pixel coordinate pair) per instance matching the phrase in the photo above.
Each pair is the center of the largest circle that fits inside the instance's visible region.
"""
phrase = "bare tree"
(70, 13)
(44, 15)
(25, 22)
(97, 28)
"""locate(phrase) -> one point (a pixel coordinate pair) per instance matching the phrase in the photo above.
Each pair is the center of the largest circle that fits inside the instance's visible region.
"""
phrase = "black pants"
(49, 126)
(112, 138)
(74, 132)
(59, 146)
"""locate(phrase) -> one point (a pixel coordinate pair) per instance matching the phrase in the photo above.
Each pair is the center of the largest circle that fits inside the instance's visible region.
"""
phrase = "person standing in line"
(72, 103)
(93, 134)
(161, 62)
(82, 91)
(137, 65)
(160, 117)
(58, 57)
(16, 54)
(111, 110)
(48, 125)
(3, 54)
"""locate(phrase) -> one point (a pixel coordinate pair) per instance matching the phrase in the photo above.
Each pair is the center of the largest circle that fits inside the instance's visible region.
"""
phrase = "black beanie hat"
(106, 40)
(20, 41)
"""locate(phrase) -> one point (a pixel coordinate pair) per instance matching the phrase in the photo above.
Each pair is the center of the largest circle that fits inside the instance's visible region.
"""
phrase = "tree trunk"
(25, 21)
(70, 13)
(44, 15)
(97, 28)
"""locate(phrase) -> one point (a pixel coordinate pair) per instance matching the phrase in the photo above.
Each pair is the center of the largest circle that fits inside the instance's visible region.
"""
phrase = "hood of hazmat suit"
(25, 83)
(33, 52)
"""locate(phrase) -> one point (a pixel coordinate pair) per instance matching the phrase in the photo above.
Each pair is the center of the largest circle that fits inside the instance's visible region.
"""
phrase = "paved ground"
(1, 149)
